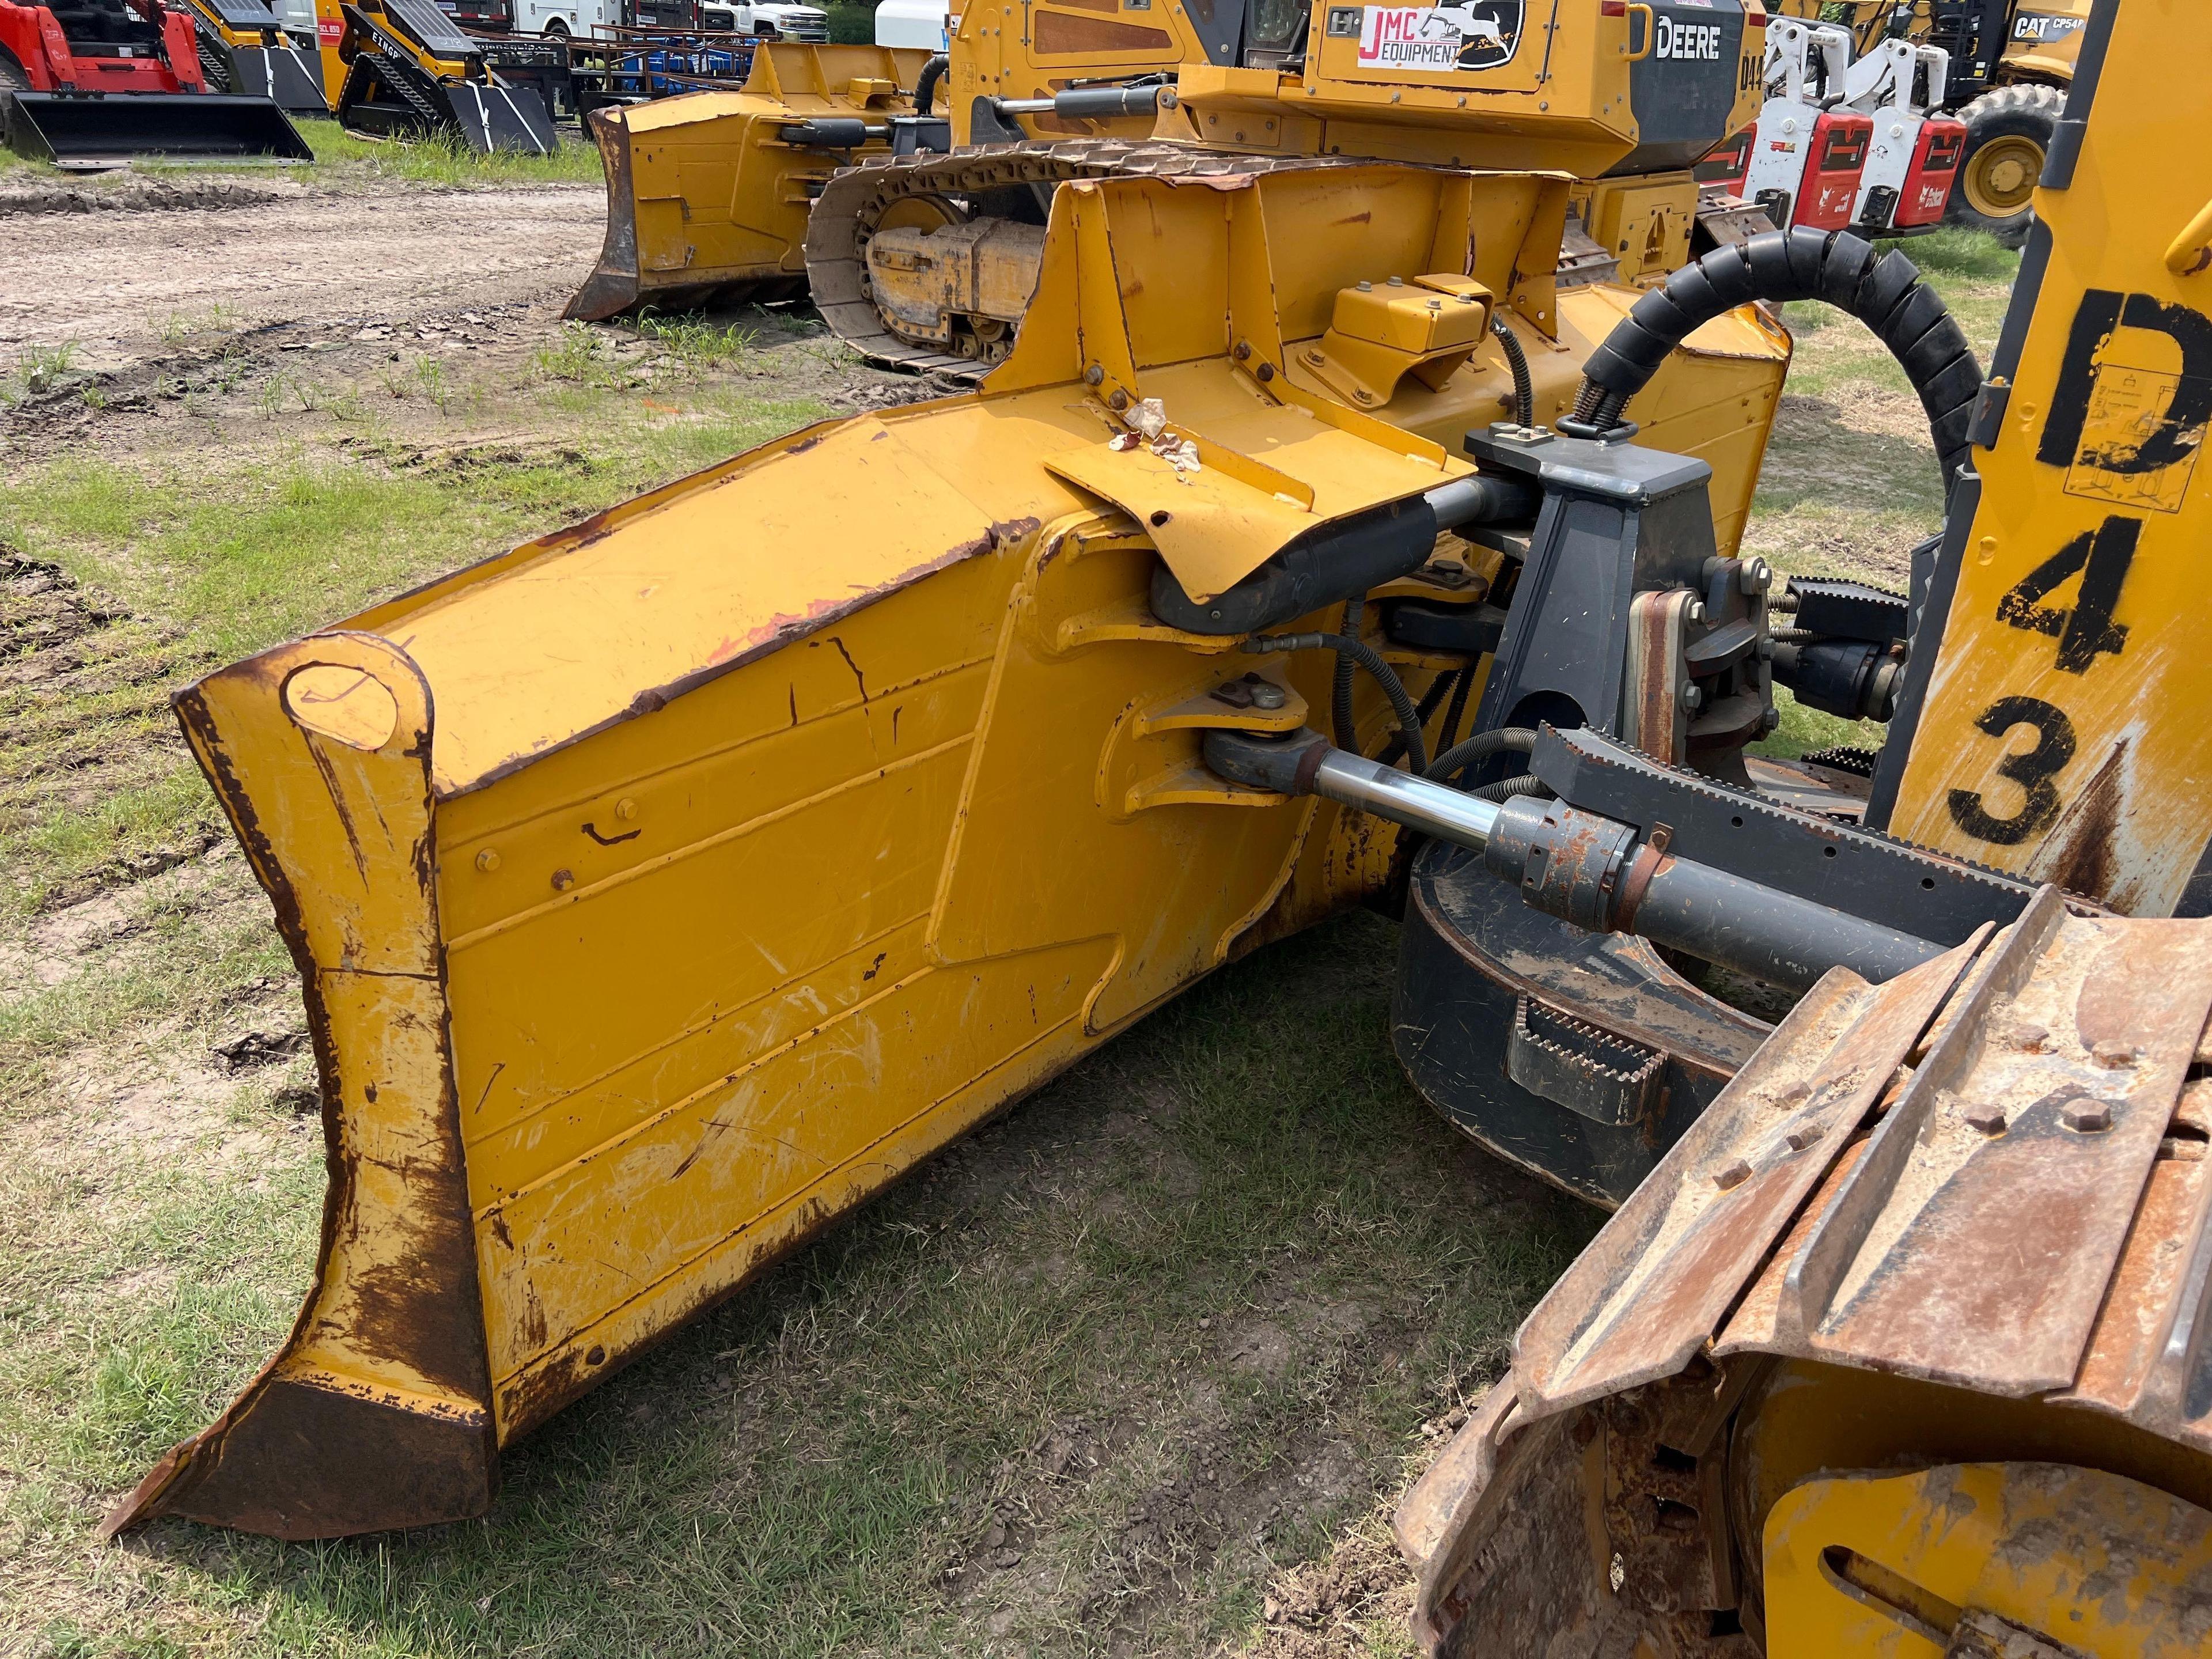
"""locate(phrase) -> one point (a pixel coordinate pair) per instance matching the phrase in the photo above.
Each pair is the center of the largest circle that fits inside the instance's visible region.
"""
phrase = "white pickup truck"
(569, 17)
(923, 23)
(771, 21)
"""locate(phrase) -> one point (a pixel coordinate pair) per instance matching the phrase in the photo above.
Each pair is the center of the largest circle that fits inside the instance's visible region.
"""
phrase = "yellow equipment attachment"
(666, 887)
(709, 191)
(2049, 745)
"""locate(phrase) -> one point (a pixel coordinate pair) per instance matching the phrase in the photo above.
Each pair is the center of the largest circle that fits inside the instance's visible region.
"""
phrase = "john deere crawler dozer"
(569, 846)
(925, 257)
(663, 887)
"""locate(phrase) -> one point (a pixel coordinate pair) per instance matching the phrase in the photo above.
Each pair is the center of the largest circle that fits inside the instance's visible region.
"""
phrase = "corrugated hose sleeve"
(1884, 291)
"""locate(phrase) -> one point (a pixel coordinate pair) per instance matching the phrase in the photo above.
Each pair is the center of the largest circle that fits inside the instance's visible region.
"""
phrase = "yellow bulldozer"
(663, 887)
(918, 232)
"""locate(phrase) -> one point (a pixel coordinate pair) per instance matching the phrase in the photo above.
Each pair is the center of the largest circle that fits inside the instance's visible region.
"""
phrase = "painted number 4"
(2085, 629)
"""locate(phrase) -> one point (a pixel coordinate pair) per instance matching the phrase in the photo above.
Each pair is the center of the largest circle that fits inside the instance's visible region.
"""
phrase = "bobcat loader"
(91, 85)
(664, 887)
(2010, 64)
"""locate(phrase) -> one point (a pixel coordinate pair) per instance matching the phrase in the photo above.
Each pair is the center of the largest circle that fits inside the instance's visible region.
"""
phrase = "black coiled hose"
(1884, 292)
(1522, 783)
(925, 85)
(1516, 360)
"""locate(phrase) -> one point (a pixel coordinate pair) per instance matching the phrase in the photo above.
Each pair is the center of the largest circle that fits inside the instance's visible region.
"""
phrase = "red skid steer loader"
(91, 83)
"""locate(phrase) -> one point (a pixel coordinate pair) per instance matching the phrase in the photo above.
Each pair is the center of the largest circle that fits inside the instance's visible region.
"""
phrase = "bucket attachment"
(290, 78)
(104, 130)
(496, 117)
(244, 48)
(666, 886)
(705, 196)
(387, 98)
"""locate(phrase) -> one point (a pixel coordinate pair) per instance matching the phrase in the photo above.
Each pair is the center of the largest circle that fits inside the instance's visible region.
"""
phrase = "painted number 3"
(2032, 769)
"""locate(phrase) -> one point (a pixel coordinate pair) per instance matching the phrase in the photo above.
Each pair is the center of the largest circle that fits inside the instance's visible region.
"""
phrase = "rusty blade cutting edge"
(1663, 1275)
(1999, 1193)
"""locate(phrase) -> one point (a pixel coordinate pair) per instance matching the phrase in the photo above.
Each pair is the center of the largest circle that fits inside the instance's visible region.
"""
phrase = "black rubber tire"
(2010, 117)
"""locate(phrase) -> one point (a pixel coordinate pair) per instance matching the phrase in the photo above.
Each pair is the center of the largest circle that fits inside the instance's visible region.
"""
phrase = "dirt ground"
(311, 262)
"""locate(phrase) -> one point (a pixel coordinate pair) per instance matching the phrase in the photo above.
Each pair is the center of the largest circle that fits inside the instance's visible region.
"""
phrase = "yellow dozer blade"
(666, 886)
(708, 192)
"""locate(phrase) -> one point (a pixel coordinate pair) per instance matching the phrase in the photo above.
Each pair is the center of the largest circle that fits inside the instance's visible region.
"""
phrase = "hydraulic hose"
(1516, 360)
(1358, 651)
(1340, 682)
(1430, 700)
(1512, 788)
(1883, 291)
(925, 85)
(1482, 746)
(1458, 708)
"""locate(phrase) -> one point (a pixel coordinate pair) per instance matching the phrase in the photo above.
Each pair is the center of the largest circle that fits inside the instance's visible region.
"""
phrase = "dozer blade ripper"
(665, 887)
(67, 129)
(708, 193)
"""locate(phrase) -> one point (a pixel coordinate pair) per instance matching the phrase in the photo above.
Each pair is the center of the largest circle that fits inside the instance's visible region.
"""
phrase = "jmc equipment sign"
(1480, 35)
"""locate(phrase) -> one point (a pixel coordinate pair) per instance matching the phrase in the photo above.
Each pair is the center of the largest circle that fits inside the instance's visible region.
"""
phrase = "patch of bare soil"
(311, 259)
(136, 193)
(1333, 1608)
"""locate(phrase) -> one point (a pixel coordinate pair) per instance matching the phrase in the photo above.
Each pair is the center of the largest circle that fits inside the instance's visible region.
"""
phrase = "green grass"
(795, 1473)
(443, 161)
(345, 160)
(232, 561)
(699, 343)
(37, 371)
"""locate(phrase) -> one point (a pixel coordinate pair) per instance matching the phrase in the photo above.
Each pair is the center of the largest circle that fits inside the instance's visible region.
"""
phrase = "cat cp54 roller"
(663, 887)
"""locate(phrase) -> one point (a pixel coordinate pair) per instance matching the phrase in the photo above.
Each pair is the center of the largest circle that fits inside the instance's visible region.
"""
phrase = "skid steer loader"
(401, 68)
(925, 259)
(1897, 1350)
(92, 84)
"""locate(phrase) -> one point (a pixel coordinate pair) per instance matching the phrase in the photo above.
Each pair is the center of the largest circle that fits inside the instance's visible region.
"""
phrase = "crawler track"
(853, 202)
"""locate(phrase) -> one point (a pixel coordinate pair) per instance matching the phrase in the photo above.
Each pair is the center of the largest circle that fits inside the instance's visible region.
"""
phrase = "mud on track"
(107, 279)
